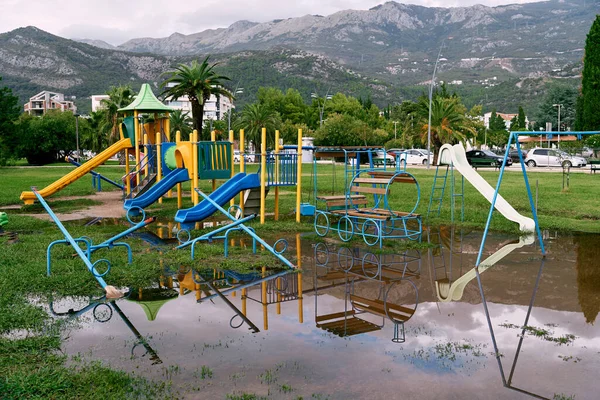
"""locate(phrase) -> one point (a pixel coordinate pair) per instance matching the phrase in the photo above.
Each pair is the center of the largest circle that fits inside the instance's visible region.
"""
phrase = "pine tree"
(521, 119)
(590, 82)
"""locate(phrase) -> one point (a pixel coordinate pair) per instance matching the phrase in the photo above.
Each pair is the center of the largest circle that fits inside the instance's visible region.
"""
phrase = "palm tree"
(118, 97)
(180, 121)
(256, 116)
(198, 82)
(448, 121)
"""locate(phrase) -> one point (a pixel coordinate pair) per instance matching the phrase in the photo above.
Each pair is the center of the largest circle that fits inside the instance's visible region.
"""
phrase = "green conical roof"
(152, 300)
(146, 101)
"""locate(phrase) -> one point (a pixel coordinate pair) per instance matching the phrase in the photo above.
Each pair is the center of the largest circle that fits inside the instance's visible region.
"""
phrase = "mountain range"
(490, 55)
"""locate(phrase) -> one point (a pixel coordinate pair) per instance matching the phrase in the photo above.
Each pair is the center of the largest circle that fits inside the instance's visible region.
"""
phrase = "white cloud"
(117, 21)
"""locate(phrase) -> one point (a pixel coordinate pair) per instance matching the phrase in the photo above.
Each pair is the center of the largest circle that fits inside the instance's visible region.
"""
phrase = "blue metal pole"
(533, 210)
(97, 175)
(493, 204)
(68, 236)
(248, 231)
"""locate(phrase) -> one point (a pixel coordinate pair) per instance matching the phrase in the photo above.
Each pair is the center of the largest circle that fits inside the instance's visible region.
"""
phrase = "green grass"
(576, 209)
(15, 180)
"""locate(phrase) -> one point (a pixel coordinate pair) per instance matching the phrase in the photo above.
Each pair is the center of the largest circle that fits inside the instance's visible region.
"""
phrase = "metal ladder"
(443, 176)
(441, 190)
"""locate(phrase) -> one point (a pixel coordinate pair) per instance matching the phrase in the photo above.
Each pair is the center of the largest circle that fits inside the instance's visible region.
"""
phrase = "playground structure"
(453, 157)
(213, 160)
(389, 275)
(365, 208)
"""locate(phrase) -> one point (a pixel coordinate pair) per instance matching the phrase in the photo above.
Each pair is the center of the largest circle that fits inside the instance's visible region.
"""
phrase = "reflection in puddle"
(325, 332)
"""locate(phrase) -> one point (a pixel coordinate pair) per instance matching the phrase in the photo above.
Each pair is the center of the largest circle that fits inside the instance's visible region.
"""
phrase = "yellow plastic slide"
(29, 197)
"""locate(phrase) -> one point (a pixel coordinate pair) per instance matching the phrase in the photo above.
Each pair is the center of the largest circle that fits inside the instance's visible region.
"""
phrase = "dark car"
(514, 155)
(485, 158)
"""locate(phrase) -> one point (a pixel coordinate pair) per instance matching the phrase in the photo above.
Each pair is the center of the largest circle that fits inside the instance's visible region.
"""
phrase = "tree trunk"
(197, 116)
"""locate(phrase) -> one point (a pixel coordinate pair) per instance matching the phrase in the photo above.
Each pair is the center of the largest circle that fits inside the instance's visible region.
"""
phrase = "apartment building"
(44, 101)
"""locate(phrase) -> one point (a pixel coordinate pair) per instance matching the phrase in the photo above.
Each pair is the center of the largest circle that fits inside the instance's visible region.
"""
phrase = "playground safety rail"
(96, 176)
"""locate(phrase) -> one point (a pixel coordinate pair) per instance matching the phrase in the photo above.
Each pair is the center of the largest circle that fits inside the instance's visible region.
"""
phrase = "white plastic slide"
(456, 156)
(453, 292)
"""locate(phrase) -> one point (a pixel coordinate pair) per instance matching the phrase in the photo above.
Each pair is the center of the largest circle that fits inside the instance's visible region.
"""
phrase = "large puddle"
(356, 324)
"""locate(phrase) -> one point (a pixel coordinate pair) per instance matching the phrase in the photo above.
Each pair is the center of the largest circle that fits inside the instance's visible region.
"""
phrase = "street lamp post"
(238, 90)
(314, 95)
(395, 130)
(430, 97)
(559, 106)
(77, 137)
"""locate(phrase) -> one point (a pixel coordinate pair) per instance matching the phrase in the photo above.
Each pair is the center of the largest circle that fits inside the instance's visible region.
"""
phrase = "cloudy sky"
(116, 21)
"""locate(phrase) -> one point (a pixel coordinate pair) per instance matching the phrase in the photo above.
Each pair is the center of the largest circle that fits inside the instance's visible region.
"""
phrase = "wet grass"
(44, 373)
(15, 180)
(575, 209)
(58, 206)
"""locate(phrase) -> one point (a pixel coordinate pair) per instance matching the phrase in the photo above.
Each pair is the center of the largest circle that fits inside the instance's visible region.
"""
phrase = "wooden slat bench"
(594, 166)
(345, 324)
(340, 201)
(377, 307)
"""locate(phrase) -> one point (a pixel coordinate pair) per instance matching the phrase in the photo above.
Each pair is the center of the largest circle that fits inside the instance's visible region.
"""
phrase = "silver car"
(540, 157)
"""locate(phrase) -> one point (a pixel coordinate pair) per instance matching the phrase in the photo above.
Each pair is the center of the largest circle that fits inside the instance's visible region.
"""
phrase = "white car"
(540, 157)
(381, 155)
(416, 156)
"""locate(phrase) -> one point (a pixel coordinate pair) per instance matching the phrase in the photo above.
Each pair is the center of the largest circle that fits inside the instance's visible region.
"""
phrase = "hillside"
(32, 60)
(401, 41)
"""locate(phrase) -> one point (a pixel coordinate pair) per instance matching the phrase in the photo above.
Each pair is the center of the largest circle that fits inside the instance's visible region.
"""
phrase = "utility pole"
(430, 96)
(77, 137)
(237, 90)
(314, 95)
(558, 129)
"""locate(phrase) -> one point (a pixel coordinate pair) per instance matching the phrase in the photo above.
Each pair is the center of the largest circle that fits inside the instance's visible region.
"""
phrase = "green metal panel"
(128, 128)
(214, 160)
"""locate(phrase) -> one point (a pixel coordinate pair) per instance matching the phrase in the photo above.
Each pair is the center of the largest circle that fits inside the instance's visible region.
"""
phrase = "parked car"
(416, 156)
(381, 157)
(514, 155)
(540, 157)
(485, 158)
(236, 156)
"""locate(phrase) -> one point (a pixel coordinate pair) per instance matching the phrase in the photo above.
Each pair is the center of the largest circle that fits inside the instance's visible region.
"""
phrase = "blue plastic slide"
(221, 196)
(174, 177)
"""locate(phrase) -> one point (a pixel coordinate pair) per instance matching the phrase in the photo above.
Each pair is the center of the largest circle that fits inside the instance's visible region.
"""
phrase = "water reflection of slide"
(456, 156)
(447, 291)
(102, 311)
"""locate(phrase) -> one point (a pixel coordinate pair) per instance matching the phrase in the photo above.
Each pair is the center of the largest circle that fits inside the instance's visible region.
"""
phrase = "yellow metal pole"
(127, 177)
(276, 151)
(299, 176)
(214, 158)
(263, 174)
(231, 139)
(167, 130)
(242, 164)
(136, 130)
(168, 127)
(278, 296)
(158, 162)
(264, 300)
(244, 301)
(177, 140)
(147, 166)
(195, 166)
(299, 266)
